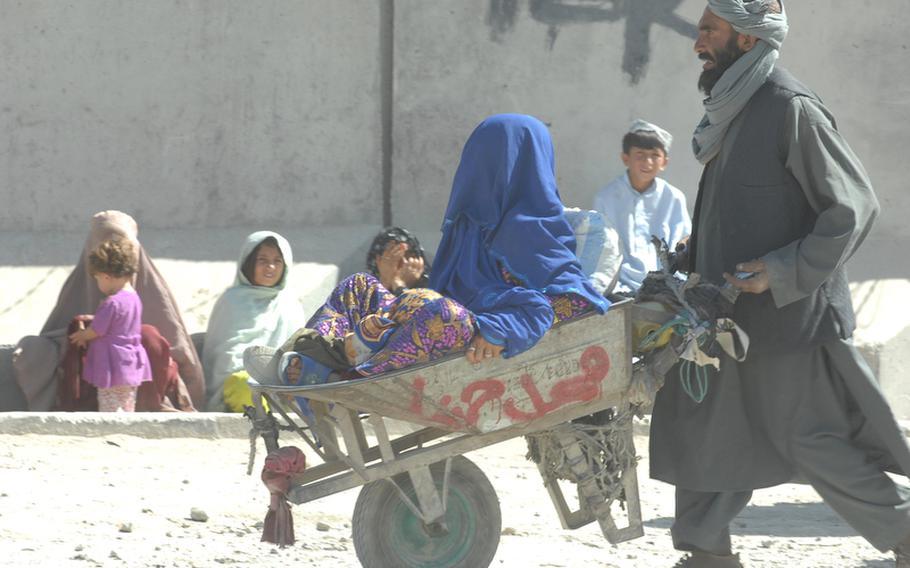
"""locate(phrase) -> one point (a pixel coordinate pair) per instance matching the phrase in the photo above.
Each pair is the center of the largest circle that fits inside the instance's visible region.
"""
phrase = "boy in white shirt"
(638, 204)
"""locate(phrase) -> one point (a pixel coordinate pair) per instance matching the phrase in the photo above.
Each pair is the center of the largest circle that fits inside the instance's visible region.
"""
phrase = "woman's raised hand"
(396, 270)
(411, 270)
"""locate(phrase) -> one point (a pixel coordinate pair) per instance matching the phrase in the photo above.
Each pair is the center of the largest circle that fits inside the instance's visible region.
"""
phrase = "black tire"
(388, 535)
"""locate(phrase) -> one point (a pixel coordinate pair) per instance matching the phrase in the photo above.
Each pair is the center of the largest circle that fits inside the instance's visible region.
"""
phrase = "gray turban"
(738, 83)
(753, 18)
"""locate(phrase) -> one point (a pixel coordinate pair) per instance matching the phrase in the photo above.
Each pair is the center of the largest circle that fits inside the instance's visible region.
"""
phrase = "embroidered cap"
(643, 126)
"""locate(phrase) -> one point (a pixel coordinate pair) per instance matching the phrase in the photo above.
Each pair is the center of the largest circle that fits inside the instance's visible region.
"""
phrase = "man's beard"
(723, 59)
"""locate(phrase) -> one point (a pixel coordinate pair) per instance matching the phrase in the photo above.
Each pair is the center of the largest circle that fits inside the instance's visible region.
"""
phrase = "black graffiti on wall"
(639, 15)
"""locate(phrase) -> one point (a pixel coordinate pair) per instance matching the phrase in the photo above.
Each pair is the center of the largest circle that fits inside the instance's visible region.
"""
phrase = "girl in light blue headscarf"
(259, 309)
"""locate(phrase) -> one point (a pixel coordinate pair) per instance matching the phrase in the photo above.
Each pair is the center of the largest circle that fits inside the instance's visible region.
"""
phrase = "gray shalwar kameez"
(814, 411)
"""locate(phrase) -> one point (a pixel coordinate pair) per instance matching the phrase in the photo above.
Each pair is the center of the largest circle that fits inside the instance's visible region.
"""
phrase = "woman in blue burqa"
(504, 273)
(507, 252)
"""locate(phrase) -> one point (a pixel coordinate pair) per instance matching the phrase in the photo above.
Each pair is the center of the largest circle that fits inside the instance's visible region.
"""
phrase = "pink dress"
(116, 357)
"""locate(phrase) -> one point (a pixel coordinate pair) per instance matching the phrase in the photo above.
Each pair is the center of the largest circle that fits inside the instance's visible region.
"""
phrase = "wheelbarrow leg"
(592, 497)
(264, 424)
(432, 506)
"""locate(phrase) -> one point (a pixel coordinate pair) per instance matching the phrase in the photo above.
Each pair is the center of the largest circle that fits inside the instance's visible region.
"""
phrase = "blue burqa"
(505, 208)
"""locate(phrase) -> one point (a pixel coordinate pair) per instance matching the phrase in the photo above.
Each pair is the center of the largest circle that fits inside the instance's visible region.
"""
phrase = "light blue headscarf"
(738, 83)
(247, 315)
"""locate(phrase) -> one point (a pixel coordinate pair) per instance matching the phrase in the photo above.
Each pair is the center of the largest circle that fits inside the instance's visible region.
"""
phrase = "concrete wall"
(588, 68)
(189, 113)
(219, 113)
(206, 119)
(585, 68)
(213, 113)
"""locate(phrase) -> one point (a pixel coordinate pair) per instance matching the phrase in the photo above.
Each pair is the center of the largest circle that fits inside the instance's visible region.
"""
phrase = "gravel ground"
(126, 501)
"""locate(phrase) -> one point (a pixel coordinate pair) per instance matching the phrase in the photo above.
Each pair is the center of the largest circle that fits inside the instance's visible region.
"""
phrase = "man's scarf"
(738, 83)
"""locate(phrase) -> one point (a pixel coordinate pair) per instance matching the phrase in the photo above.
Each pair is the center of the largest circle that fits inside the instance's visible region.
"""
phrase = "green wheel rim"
(415, 547)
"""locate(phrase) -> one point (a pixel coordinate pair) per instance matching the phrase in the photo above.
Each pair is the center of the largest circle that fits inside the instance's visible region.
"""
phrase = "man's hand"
(680, 256)
(480, 350)
(755, 284)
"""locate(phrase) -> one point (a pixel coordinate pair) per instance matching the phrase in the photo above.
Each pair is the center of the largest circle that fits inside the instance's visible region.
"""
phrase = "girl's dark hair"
(644, 139)
(398, 235)
(117, 257)
(249, 263)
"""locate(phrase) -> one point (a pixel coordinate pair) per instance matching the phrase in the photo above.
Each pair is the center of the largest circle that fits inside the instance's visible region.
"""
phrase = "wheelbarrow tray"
(577, 368)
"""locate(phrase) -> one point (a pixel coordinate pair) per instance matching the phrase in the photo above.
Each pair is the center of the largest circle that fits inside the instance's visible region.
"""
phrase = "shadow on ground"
(804, 520)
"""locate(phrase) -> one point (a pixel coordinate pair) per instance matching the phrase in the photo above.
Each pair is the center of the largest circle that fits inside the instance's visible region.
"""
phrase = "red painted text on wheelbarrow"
(594, 365)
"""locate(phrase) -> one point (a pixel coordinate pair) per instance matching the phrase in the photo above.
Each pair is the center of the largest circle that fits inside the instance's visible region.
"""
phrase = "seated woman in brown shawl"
(37, 358)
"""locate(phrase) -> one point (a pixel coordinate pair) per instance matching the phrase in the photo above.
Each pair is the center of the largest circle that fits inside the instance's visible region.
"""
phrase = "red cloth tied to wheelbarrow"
(277, 470)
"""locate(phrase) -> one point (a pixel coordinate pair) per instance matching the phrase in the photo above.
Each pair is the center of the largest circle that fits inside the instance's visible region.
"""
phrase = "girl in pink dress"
(116, 363)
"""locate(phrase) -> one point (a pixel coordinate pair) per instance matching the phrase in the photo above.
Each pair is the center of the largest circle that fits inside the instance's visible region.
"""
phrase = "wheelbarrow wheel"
(387, 534)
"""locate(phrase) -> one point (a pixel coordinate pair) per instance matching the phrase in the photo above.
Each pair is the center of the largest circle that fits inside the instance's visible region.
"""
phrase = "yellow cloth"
(643, 329)
(237, 393)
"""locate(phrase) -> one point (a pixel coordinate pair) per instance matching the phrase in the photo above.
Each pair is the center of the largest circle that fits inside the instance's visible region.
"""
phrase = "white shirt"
(659, 210)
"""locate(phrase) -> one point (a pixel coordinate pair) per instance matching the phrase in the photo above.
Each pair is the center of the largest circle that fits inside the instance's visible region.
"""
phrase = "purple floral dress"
(418, 326)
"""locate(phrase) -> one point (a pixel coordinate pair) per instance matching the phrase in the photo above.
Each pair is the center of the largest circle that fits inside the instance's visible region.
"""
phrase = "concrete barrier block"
(140, 424)
(11, 397)
(883, 336)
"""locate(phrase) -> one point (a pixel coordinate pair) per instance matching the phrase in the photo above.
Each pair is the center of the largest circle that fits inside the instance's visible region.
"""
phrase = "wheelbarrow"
(422, 502)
